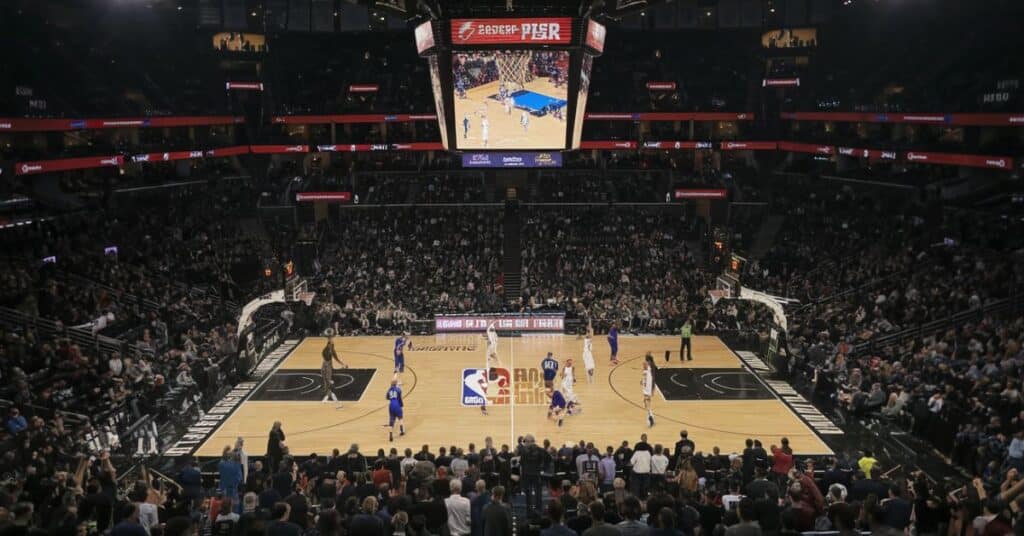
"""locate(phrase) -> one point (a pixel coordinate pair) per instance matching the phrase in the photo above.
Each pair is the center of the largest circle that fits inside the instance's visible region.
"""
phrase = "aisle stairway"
(513, 265)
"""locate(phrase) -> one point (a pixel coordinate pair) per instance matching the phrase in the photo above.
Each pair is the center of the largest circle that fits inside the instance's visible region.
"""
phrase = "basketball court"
(716, 397)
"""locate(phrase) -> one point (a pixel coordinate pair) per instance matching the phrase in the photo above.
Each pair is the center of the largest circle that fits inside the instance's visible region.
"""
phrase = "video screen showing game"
(510, 99)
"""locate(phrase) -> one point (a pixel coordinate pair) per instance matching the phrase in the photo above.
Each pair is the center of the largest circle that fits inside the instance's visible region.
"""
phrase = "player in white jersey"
(647, 385)
(525, 121)
(569, 387)
(485, 129)
(588, 353)
(492, 346)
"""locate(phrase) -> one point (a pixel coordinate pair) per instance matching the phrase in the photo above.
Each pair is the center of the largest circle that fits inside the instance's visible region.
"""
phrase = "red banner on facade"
(228, 151)
(167, 157)
(780, 82)
(661, 86)
(872, 154)
(364, 88)
(50, 125)
(335, 197)
(244, 86)
(670, 116)
(795, 147)
(351, 118)
(969, 160)
(980, 119)
(677, 145)
(278, 149)
(371, 147)
(67, 164)
(748, 145)
(610, 144)
(700, 193)
(537, 31)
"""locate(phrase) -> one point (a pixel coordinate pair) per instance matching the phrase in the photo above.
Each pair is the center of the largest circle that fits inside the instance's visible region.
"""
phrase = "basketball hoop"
(307, 297)
(717, 295)
(513, 69)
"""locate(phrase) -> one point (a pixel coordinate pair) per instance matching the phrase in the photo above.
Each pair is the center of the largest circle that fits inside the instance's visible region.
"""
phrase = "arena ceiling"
(479, 8)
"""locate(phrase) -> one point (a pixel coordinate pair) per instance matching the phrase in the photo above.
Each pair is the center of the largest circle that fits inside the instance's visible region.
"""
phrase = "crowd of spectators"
(161, 302)
(631, 267)
(532, 487)
(386, 267)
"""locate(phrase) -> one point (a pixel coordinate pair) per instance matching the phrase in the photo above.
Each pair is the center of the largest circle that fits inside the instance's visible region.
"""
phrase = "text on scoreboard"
(450, 323)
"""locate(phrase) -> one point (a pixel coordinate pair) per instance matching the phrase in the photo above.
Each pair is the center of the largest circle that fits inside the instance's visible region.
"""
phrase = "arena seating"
(906, 321)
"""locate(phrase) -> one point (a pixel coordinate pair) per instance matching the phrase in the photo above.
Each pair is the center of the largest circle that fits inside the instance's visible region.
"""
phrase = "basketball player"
(549, 366)
(588, 353)
(508, 106)
(485, 129)
(557, 407)
(647, 385)
(613, 342)
(525, 121)
(465, 126)
(569, 384)
(395, 410)
(492, 347)
(330, 355)
(400, 344)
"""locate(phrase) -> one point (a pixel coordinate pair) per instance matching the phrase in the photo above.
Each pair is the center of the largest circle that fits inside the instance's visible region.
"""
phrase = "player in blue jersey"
(400, 344)
(395, 410)
(557, 407)
(613, 343)
(549, 366)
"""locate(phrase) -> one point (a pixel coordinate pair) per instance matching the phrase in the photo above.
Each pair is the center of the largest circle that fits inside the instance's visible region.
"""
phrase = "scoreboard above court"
(477, 33)
(510, 84)
(543, 31)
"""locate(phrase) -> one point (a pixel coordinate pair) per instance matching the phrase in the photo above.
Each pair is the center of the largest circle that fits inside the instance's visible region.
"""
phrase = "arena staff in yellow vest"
(685, 332)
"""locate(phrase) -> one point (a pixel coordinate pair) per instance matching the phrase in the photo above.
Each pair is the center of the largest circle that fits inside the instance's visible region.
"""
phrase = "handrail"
(148, 305)
(940, 324)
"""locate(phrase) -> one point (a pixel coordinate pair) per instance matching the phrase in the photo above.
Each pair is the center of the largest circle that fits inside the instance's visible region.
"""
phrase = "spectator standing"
(497, 517)
(459, 510)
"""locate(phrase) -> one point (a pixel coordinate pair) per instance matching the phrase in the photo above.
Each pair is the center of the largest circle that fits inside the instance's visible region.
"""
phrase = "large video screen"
(510, 99)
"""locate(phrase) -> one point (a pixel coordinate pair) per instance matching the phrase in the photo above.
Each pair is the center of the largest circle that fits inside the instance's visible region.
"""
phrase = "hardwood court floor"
(716, 399)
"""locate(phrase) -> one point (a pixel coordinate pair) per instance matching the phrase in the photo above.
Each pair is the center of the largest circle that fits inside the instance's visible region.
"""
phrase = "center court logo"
(527, 389)
(476, 386)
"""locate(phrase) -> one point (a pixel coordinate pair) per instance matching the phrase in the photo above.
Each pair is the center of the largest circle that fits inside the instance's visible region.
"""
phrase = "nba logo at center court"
(476, 385)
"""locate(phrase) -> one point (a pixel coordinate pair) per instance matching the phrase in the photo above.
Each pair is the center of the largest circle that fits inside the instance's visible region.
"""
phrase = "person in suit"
(497, 516)
(191, 482)
(275, 448)
(685, 448)
(476, 508)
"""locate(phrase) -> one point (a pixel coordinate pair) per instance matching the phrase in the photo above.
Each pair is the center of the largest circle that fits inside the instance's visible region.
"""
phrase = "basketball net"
(716, 295)
(513, 69)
